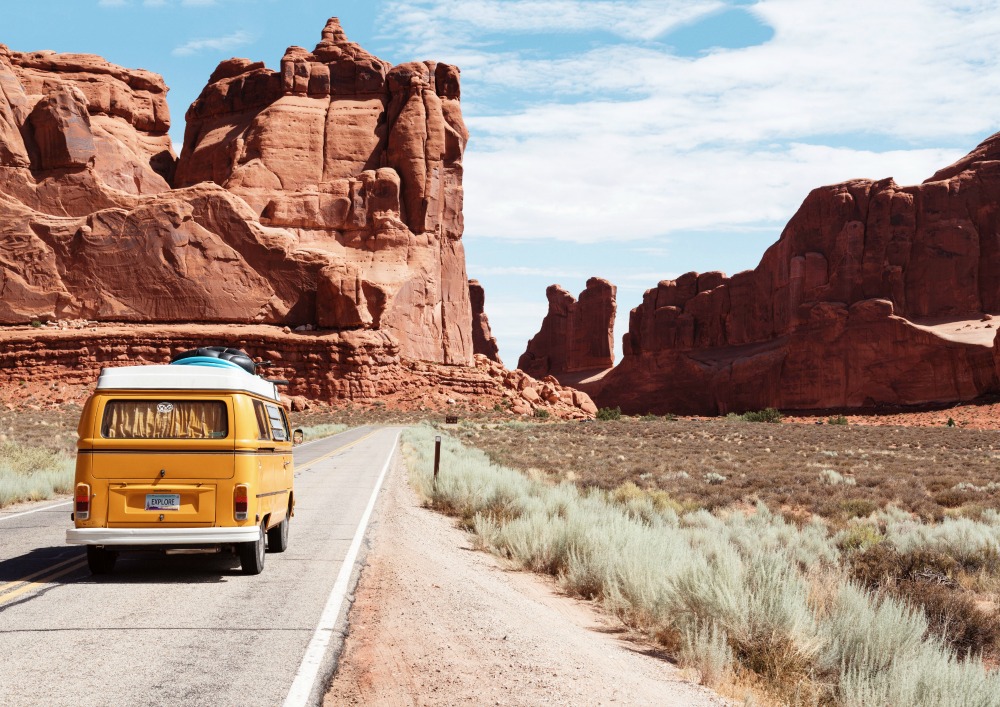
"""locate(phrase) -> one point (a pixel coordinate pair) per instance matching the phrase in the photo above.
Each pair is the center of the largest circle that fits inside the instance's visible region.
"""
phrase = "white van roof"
(184, 378)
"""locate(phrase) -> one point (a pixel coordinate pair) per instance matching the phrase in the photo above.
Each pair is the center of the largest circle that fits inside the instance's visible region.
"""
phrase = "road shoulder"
(437, 622)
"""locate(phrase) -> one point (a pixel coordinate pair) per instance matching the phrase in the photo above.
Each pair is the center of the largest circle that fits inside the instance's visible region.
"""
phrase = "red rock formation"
(483, 341)
(59, 364)
(328, 193)
(830, 317)
(575, 335)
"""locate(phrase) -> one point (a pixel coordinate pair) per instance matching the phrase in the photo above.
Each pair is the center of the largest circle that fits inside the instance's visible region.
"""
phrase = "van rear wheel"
(252, 554)
(277, 537)
(99, 560)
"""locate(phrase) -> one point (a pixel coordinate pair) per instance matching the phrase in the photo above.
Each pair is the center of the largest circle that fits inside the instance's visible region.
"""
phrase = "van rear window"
(165, 419)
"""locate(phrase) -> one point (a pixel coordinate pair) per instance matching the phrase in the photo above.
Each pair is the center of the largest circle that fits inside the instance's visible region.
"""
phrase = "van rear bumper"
(162, 536)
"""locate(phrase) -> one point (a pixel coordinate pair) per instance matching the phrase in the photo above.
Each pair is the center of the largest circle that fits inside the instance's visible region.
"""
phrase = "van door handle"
(267, 449)
(287, 463)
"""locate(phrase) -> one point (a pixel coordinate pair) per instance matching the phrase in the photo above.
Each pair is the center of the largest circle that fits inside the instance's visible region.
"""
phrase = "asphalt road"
(189, 629)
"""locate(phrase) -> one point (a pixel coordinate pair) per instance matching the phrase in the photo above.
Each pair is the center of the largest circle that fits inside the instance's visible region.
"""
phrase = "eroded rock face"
(829, 318)
(328, 193)
(575, 335)
(78, 110)
(483, 341)
(62, 362)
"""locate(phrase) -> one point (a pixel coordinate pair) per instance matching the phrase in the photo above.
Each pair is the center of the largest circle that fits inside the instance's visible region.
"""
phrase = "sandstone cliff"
(576, 335)
(863, 301)
(326, 196)
(328, 193)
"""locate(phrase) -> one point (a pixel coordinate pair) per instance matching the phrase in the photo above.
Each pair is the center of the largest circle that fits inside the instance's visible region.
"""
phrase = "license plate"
(163, 501)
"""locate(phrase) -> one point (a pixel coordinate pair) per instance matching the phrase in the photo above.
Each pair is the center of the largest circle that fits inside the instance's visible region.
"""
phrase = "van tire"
(99, 560)
(252, 554)
(277, 537)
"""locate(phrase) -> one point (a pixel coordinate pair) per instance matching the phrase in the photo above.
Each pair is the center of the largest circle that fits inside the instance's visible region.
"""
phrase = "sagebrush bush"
(706, 649)
(614, 413)
(33, 474)
(833, 478)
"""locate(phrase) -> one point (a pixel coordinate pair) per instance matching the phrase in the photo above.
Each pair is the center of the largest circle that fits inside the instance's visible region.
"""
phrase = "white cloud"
(457, 22)
(215, 44)
(154, 3)
(623, 139)
(197, 3)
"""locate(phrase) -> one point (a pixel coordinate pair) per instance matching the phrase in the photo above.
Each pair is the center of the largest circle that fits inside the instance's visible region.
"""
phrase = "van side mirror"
(298, 436)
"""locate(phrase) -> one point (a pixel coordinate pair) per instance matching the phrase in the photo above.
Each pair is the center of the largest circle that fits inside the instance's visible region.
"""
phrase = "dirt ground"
(436, 622)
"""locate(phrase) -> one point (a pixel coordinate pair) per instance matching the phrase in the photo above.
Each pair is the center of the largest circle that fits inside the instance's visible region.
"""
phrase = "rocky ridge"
(860, 303)
(60, 364)
(576, 335)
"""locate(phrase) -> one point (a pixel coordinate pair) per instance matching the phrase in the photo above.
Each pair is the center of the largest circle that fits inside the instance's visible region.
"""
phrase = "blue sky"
(631, 140)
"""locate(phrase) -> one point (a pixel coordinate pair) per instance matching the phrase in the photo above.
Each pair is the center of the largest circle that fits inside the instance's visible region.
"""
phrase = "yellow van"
(194, 456)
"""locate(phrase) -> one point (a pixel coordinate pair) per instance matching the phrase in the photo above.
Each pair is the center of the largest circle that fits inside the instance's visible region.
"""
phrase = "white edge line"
(305, 678)
(36, 510)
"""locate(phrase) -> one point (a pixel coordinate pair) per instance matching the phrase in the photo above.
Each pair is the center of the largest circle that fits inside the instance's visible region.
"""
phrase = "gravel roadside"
(436, 622)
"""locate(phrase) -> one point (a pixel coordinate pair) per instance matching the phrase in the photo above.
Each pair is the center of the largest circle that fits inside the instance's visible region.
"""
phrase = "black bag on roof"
(240, 358)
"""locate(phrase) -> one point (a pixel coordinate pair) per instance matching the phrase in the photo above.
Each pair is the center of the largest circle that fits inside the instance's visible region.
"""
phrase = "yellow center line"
(5, 587)
(335, 451)
(45, 580)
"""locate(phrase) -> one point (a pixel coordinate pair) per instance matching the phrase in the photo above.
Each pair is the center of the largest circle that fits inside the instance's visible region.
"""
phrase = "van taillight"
(241, 501)
(82, 501)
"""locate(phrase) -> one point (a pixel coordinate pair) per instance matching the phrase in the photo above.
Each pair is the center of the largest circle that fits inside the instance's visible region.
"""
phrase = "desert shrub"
(713, 478)
(541, 413)
(858, 537)
(924, 579)
(614, 413)
(35, 323)
(765, 415)
(953, 497)
(952, 615)
(706, 648)
(834, 478)
(969, 486)
(836, 420)
(643, 503)
(881, 564)
(33, 474)
(857, 507)
(975, 545)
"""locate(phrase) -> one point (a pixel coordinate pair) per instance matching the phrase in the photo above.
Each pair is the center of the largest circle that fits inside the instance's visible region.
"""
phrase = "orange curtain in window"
(152, 419)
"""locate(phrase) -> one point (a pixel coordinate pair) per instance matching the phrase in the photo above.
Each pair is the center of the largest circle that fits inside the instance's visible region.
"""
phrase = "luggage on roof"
(219, 353)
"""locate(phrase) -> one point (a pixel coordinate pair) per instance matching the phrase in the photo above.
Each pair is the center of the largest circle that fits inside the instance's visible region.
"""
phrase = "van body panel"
(135, 465)
(127, 504)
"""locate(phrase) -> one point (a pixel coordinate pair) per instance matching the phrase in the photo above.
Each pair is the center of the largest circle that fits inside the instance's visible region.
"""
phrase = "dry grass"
(845, 475)
(838, 472)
